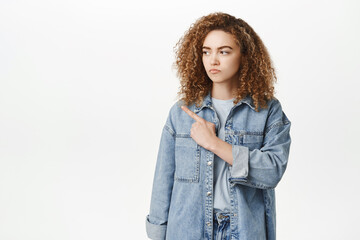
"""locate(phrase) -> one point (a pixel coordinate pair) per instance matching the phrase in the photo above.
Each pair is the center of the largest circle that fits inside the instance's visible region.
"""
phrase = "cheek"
(231, 66)
(235, 64)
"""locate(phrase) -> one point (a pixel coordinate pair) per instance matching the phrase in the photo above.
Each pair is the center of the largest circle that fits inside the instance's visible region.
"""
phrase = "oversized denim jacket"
(182, 195)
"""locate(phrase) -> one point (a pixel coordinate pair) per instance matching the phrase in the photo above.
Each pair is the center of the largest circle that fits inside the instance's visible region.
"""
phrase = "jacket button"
(208, 193)
(209, 223)
(209, 163)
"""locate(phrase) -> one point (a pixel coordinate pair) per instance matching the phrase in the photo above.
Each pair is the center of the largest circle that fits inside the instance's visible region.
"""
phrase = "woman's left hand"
(202, 131)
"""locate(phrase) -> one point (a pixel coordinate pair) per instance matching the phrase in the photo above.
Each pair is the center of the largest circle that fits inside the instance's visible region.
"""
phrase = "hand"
(202, 131)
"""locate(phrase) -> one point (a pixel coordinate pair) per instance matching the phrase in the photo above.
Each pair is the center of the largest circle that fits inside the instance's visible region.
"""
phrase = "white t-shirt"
(221, 171)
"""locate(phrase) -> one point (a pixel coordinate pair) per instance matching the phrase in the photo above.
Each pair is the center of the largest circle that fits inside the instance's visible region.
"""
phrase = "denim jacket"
(182, 195)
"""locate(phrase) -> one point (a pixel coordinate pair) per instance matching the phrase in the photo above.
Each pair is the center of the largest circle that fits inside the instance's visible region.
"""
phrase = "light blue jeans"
(222, 229)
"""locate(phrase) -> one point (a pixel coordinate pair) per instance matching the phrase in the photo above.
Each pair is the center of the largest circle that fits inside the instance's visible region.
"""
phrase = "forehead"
(219, 38)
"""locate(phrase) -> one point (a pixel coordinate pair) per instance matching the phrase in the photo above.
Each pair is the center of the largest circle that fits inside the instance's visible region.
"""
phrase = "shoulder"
(175, 114)
(274, 102)
(276, 115)
(274, 106)
(178, 118)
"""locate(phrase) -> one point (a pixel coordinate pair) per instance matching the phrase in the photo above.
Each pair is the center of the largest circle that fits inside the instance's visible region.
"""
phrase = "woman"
(225, 144)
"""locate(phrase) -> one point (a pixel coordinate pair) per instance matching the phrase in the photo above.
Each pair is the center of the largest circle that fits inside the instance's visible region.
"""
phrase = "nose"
(214, 59)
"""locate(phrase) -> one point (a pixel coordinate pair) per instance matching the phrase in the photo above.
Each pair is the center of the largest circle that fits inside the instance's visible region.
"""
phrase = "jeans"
(222, 229)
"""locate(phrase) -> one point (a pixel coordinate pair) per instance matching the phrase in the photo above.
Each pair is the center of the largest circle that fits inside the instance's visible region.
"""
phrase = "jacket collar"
(208, 103)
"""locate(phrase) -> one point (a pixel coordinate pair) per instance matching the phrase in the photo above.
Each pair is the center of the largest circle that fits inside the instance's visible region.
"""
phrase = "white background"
(86, 86)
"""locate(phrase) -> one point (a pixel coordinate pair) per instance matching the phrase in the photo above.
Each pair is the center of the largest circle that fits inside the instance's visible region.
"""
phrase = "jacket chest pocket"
(187, 159)
(250, 140)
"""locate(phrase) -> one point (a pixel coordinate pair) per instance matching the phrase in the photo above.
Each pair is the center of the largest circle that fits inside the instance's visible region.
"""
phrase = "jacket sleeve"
(156, 221)
(263, 168)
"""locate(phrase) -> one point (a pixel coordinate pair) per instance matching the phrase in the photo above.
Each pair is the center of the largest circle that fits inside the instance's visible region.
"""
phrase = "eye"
(224, 52)
(205, 52)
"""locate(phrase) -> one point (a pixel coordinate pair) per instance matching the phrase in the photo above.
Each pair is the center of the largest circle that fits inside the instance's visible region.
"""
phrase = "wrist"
(213, 144)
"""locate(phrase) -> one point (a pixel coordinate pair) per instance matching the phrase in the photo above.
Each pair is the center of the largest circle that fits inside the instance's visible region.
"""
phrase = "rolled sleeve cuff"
(155, 232)
(240, 167)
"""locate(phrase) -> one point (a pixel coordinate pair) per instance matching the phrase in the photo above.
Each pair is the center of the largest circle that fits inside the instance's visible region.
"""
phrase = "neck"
(223, 91)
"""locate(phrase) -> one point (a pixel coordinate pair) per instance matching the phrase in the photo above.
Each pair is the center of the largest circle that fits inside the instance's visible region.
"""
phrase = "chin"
(218, 81)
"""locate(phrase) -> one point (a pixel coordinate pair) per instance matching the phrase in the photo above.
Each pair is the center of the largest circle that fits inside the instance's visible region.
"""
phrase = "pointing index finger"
(191, 114)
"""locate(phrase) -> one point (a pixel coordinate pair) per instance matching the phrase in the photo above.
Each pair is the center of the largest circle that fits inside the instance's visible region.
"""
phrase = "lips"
(214, 70)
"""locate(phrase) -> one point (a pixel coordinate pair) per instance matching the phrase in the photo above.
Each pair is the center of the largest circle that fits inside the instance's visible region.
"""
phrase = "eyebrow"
(205, 47)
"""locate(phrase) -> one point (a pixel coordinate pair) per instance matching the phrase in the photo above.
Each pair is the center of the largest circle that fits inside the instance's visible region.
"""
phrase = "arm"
(259, 168)
(263, 168)
(222, 149)
(156, 221)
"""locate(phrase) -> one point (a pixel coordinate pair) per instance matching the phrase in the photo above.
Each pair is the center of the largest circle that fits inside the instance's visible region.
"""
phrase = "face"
(221, 57)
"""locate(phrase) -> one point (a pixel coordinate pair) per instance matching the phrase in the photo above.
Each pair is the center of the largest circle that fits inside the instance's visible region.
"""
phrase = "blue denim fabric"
(222, 229)
(182, 194)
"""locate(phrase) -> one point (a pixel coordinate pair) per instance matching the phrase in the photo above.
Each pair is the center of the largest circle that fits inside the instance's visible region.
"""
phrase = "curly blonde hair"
(257, 74)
